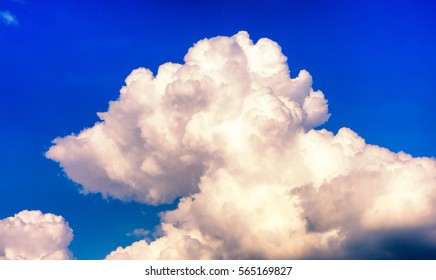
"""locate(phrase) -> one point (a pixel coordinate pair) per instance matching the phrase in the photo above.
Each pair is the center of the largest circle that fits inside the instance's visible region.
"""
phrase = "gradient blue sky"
(64, 61)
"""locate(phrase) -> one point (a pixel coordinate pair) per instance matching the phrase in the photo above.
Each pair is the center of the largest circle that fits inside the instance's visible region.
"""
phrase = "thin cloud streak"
(19, 1)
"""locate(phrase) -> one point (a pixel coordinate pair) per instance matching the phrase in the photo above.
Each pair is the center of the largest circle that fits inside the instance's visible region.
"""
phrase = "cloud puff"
(165, 132)
(8, 18)
(139, 232)
(33, 235)
(232, 134)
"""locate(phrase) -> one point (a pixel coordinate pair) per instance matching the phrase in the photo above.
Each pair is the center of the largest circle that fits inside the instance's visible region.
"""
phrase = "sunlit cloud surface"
(232, 133)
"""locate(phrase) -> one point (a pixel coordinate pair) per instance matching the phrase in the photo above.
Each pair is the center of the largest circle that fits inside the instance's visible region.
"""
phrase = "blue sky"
(63, 61)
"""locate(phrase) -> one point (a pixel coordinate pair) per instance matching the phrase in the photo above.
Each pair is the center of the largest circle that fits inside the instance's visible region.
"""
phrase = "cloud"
(139, 232)
(33, 235)
(8, 18)
(165, 132)
(19, 1)
(232, 134)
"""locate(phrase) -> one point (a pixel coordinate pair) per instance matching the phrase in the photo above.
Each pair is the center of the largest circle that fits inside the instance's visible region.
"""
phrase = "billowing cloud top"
(232, 134)
(165, 132)
(33, 235)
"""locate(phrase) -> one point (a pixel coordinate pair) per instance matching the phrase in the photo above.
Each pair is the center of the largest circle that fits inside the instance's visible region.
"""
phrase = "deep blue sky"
(375, 61)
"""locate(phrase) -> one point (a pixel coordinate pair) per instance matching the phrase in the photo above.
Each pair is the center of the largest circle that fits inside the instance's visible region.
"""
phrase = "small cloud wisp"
(8, 18)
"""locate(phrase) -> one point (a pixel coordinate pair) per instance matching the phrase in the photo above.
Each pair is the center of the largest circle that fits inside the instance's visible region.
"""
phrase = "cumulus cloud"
(232, 134)
(8, 18)
(165, 132)
(34, 235)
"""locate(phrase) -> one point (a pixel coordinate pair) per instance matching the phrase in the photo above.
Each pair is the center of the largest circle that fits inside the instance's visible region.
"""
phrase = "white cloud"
(33, 235)
(233, 134)
(164, 132)
(8, 18)
(139, 232)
